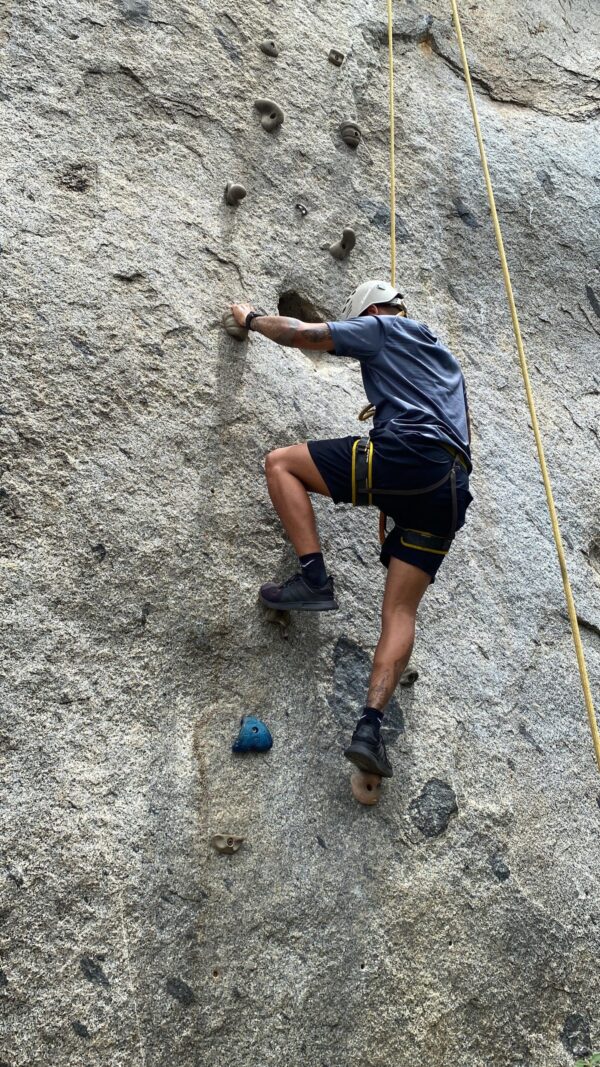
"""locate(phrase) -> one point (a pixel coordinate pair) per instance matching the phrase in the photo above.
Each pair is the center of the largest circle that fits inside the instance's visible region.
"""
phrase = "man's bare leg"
(291, 476)
(404, 589)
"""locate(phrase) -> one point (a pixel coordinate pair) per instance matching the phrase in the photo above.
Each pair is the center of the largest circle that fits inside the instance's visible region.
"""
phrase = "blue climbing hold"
(254, 736)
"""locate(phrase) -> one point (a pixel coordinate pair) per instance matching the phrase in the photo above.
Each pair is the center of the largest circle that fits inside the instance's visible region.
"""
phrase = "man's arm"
(313, 336)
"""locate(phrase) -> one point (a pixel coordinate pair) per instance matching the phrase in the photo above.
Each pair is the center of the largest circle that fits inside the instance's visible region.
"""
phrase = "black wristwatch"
(253, 315)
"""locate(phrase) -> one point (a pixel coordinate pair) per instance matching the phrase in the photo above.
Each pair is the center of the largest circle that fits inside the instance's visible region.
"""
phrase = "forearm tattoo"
(291, 332)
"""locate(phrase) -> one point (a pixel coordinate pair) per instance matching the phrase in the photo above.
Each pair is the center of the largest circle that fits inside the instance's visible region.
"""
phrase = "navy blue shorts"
(411, 465)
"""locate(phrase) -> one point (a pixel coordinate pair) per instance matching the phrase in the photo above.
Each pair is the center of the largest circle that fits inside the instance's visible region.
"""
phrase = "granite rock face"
(136, 528)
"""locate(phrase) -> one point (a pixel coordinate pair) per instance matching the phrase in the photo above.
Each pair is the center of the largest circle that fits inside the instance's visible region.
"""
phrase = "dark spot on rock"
(294, 305)
(92, 970)
(500, 868)
(179, 989)
(80, 1029)
(99, 551)
(575, 1035)
(351, 671)
(129, 276)
(463, 213)
(511, 763)
(82, 347)
(593, 299)
(546, 182)
(529, 737)
(595, 551)
(378, 214)
(134, 10)
(3, 979)
(77, 177)
(15, 876)
(321, 841)
(432, 809)
(228, 45)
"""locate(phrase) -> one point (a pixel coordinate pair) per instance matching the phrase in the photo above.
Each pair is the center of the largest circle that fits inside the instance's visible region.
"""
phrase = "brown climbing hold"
(366, 788)
(233, 328)
(227, 844)
(350, 132)
(335, 57)
(269, 47)
(272, 115)
(234, 193)
(408, 677)
(342, 249)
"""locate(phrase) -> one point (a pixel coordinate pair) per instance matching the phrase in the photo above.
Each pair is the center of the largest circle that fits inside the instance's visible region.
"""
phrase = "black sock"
(373, 716)
(313, 569)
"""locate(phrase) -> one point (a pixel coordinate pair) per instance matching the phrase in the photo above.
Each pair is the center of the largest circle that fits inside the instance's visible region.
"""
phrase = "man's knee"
(274, 461)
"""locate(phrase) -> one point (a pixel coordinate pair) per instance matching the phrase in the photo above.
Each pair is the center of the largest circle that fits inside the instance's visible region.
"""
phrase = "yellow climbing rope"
(517, 331)
(392, 143)
(530, 400)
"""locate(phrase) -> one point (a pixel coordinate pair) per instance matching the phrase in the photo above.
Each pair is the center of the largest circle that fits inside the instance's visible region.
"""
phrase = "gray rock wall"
(136, 529)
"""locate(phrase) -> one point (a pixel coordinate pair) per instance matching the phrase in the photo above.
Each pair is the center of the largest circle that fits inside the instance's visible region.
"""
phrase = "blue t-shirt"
(413, 380)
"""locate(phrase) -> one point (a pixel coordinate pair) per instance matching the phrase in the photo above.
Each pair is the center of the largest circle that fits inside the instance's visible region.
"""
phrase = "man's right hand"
(241, 311)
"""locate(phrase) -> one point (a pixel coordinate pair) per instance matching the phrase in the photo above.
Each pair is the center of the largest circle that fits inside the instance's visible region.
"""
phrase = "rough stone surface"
(136, 529)
(432, 810)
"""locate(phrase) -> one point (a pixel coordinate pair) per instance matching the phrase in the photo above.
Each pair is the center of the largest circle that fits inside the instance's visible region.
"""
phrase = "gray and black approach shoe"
(367, 751)
(298, 595)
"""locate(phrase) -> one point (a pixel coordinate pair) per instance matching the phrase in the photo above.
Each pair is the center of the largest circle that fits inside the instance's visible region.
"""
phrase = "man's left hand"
(240, 311)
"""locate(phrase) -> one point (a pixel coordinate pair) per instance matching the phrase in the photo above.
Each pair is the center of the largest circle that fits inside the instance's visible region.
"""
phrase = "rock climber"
(421, 461)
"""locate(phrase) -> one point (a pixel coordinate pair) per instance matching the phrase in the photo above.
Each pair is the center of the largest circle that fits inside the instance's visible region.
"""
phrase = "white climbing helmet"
(371, 292)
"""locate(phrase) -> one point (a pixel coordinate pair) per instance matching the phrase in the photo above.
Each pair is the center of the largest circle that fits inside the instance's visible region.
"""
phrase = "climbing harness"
(362, 486)
(520, 349)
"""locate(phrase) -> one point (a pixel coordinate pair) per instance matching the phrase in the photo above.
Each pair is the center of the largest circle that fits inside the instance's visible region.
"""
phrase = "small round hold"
(408, 677)
(335, 57)
(302, 209)
(269, 47)
(342, 249)
(233, 328)
(234, 193)
(350, 132)
(271, 114)
(366, 788)
(226, 843)
(254, 736)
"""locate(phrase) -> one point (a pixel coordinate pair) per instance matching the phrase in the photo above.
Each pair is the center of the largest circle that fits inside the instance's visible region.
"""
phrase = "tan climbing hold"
(366, 788)
(280, 618)
(269, 47)
(226, 843)
(234, 192)
(233, 328)
(271, 114)
(342, 249)
(350, 132)
(335, 57)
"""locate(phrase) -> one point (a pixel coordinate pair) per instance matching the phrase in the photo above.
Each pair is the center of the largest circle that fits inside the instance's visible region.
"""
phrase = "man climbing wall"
(414, 467)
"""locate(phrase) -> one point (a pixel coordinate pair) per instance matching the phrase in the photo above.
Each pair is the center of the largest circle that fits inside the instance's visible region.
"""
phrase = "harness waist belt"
(362, 485)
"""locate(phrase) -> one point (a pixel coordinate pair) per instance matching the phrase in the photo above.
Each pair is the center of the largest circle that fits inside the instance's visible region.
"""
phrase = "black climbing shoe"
(367, 751)
(298, 595)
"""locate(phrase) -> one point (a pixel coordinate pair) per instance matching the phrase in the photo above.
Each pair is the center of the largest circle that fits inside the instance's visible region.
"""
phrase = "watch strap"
(253, 315)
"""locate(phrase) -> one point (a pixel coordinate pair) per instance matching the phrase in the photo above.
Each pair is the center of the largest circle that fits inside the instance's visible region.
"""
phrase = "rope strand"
(530, 400)
(392, 143)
